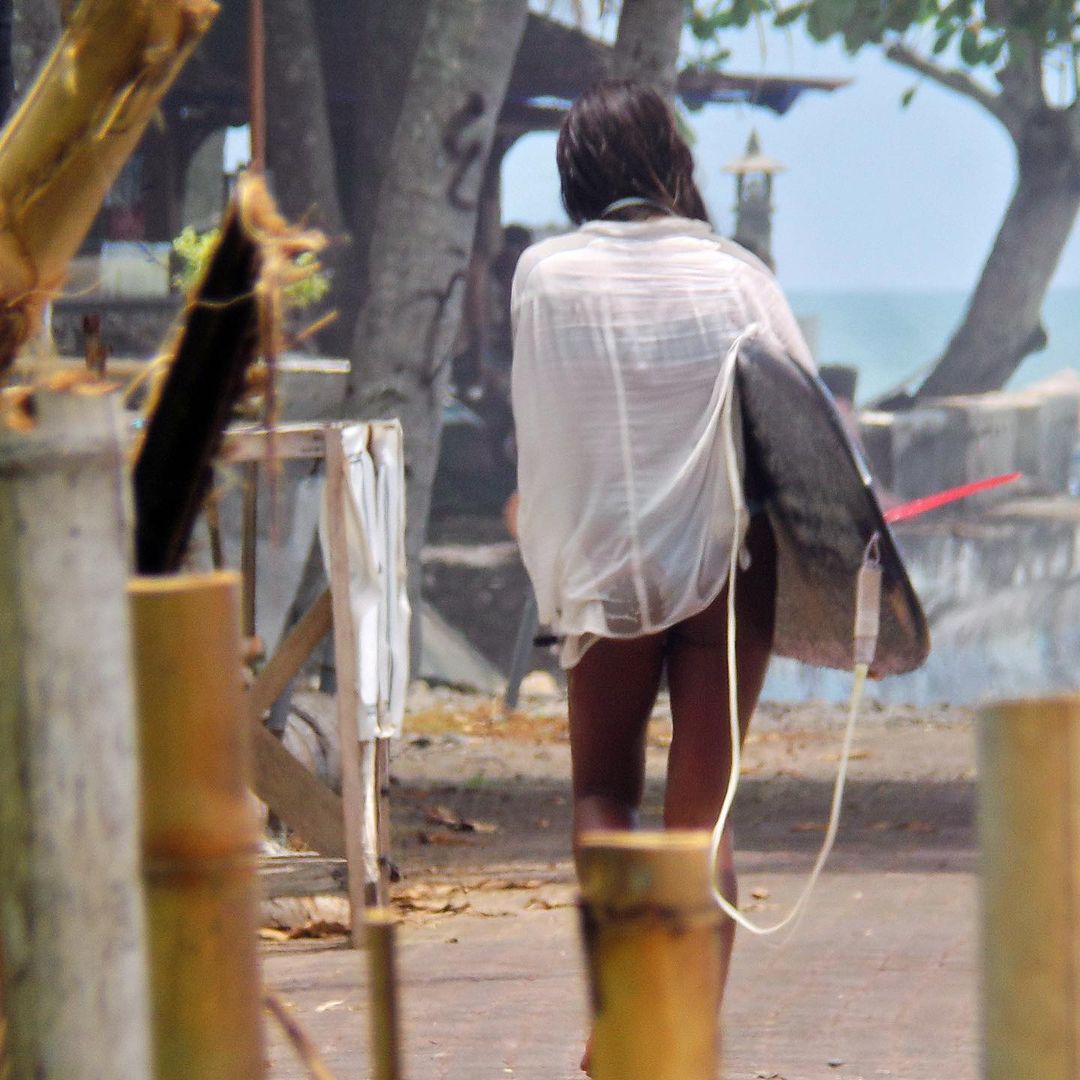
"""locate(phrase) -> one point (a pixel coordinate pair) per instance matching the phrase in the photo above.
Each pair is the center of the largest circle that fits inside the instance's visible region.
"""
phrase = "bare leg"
(612, 691)
(699, 761)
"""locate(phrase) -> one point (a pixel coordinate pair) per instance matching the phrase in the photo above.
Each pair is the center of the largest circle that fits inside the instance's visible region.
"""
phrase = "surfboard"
(813, 483)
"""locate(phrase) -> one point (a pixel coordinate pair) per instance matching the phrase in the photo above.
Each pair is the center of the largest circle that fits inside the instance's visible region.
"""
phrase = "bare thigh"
(612, 690)
(699, 761)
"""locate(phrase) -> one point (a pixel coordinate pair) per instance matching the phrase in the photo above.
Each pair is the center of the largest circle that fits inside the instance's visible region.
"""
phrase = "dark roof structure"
(554, 64)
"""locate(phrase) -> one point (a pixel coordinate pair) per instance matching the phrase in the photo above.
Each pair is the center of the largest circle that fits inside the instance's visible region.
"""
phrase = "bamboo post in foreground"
(71, 914)
(650, 928)
(380, 936)
(199, 828)
(1029, 825)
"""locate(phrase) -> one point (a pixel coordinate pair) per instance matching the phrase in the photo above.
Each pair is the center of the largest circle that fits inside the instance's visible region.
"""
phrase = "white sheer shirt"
(621, 400)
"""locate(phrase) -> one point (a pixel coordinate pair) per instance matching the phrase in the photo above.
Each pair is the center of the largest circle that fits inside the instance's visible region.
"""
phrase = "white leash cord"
(867, 621)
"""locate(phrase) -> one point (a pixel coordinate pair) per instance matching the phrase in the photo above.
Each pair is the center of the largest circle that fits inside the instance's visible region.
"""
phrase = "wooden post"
(199, 829)
(71, 915)
(249, 545)
(1029, 825)
(650, 928)
(257, 84)
(380, 934)
(363, 885)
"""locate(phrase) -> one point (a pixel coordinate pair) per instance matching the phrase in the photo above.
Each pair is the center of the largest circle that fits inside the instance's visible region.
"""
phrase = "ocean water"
(891, 336)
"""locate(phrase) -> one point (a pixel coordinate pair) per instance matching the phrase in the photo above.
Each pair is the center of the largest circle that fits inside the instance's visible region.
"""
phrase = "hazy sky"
(875, 196)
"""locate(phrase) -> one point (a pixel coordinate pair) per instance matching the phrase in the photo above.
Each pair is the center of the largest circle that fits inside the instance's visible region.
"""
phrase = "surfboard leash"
(865, 634)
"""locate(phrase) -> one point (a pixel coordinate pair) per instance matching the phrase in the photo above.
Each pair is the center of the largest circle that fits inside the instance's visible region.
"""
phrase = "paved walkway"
(878, 980)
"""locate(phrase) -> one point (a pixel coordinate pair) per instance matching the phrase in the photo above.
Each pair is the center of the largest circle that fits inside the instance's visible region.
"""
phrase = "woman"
(626, 442)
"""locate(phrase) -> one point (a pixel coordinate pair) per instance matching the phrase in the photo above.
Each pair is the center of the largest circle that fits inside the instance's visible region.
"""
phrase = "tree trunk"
(388, 36)
(424, 229)
(647, 43)
(1002, 324)
(389, 33)
(300, 151)
(71, 907)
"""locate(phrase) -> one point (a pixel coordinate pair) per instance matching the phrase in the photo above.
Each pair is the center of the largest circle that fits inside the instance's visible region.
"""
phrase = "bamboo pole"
(650, 929)
(380, 931)
(1029, 824)
(199, 830)
(61, 151)
(71, 915)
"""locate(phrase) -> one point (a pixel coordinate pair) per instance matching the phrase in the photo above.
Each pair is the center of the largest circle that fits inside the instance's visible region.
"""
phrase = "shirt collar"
(652, 227)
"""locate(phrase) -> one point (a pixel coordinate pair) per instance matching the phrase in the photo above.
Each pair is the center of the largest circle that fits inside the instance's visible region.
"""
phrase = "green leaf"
(970, 52)
(787, 16)
(992, 53)
(941, 42)
(907, 95)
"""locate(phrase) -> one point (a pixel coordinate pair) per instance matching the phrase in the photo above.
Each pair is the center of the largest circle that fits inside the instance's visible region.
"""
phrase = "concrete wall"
(999, 574)
(960, 439)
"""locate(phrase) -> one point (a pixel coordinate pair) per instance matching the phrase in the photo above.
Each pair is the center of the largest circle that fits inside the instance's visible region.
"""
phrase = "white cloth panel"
(375, 539)
(387, 450)
(621, 330)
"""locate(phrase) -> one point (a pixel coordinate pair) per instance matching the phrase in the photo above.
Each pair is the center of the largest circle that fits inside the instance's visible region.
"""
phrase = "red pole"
(932, 502)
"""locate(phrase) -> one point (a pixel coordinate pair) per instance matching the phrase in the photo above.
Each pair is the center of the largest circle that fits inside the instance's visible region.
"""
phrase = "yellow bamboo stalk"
(1029, 825)
(650, 927)
(379, 936)
(61, 151)
(199, 829)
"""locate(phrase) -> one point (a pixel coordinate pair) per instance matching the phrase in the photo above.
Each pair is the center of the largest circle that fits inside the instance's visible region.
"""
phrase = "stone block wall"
(961, 439)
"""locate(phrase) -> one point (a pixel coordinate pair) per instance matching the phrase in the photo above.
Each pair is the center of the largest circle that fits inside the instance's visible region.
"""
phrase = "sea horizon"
(890, 335)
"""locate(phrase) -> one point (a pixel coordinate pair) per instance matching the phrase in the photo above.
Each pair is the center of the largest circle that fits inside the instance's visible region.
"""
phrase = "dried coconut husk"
(220, 357)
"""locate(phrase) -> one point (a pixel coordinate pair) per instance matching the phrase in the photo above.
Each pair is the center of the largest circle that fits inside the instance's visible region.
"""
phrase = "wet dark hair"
(620, 140)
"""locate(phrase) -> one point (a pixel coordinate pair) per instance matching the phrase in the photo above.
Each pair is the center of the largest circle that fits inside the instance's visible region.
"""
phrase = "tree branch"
(952, 79)
(1021, 78)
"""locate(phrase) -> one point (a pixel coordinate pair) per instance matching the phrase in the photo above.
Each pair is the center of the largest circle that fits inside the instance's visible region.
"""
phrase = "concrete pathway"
(878, 981)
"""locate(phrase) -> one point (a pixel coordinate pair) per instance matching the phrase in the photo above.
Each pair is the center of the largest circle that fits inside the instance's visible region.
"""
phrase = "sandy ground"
(909, 785)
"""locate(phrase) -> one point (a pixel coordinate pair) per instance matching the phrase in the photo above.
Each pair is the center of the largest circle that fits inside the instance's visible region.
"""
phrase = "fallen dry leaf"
(904, 826)
(273, 933)
(432, 907)
(541, 903)
(918, 826)
(809, 826)
(442, 839)
(441, 815)
(855, 755)
(760, 893)
(506, 884)
(327, 1005)
(315, 928)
